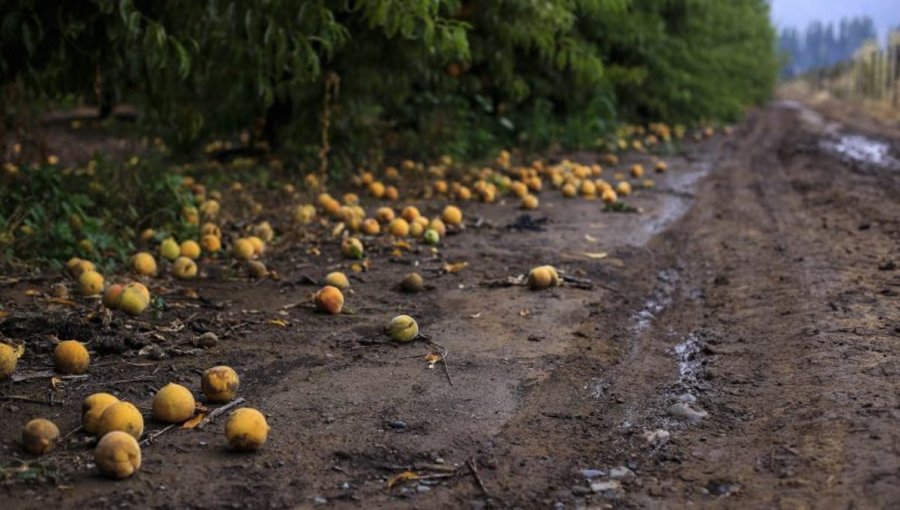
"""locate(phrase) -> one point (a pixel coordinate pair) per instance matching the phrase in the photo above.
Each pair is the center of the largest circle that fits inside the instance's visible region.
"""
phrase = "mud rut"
(741, 351)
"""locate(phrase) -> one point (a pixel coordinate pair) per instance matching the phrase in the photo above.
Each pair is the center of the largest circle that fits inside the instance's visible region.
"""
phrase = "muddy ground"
(737, 348)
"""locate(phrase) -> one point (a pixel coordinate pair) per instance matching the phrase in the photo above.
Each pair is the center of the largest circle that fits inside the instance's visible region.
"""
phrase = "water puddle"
(862, 150)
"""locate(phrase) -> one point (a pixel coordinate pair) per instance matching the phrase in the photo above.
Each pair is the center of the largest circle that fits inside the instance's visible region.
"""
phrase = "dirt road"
(738, 347)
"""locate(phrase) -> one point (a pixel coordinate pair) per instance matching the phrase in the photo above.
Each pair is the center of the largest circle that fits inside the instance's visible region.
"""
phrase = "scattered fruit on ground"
(133, 299)
(90, 283)
(259, 246)
(257, 269)
(71, 358)
(637, 171)
(661, 166)
(329, 299)
(211, 243)
(337, 279)
(75, 266)
(431, 236)
(143, 264)
(352, 248)
(173, 403)
(39, 436)
(542, 277)
(305, 214)
(384, 214)
(184, 268)
(530, 202)
(118, 455)
(190, 249)
(264, 231)
(242, 249)
(123, 416)
(399, 227)
(92, 408)
(412, 283)
(452, 215)
(169, 249)
(403, 328)
(8, 361)
(220, 384)
(246, 429)
(609, 196)
(371, 227)
(623, 188)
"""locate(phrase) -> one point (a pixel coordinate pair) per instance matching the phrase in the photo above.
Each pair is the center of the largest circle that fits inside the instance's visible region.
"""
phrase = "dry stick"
(474, 468)
(46, 373)
(24, 398)
(151, 437)
(444, 354)
(214, 414)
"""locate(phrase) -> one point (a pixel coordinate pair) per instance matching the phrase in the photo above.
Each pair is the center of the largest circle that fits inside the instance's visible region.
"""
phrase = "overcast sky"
(799, 13)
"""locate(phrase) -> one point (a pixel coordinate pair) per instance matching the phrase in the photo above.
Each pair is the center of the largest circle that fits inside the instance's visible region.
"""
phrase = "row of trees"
(459, 76)
(823, 45)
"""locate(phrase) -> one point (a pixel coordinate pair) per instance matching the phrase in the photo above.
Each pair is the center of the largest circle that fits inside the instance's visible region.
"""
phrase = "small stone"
(397, 424)
(657, 436)
(684, 410)
(319, 500)
(207, 340)
(590, 474)
(621, 473)
(422, 488)
(606, 486)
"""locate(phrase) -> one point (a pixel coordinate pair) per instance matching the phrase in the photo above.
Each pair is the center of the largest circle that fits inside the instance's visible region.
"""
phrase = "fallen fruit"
(71, 358)
(75, 266)
(384, 214)
(133, 300)
(399, 227)
(39, 436)
(412, 283)
(246, 429)
(169, 249)
(259, 246)
(438, 226)
(242, 249)
(431, 236)
(118, 455)
(568, 190)
(90, 283)
(190, 249)
(211, 243)
(220, 384)
(184, 268)
(305, 214)
(637, 171)
(122, 416)
(264, 231)
(530, 202)
(8, 361)
(92, 408)
(257, 269)
(173, 403)
(143, 263)
(623, 188)
(452, 215)
(542, 277)
(403, 328)
(329, 300)
(609, 196)
(661, 166)
(111, 295)
(352, 248)
(337, 279)
(371, 227)
(410, 213)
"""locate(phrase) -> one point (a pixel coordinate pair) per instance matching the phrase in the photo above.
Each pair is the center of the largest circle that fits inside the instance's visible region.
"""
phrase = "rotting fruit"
(39, 436)
(118, 455)
(220, 384)
(403, 328)
(71, 358)
(329, 300)
(246, 429)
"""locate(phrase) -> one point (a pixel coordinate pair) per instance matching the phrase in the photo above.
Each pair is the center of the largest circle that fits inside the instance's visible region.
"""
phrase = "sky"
(800, 13)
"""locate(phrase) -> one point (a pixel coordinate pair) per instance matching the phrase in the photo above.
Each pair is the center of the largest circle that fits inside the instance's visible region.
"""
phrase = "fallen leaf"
(32, 292)
(591, 238)
(61, 301)
(3, 313)
(475, 316)
(193, 422)
(278, 322)
(455, 267)
(314, 250)
(337, 230)
(191, 293)
(597, 255)
(55, 383)
(401, 478)
(432, 358)
(524, 312)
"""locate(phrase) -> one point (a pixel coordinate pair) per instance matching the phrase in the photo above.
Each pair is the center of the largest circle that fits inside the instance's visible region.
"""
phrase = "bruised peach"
(246, 429)
(220, 384)
(71, 357)
(39, 436)
(337, 279)
(330, 300)
(399, 228)
(352, 248)
(452, 215)
(143, 263)
(118, 455)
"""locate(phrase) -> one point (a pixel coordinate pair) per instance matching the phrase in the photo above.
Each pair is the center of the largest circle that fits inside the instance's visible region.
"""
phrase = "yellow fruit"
(438, 226)
(519, 189)
(530, 202)
(332, 207)
(259, 246)
(190, 249)
(220, 384)
(70, 357)
(111, 295)
(399, 227)
(92, 408)
(147, 234)
(210, 229)
(588, 189)
(210, 208)
(190, 215)
(542, 277)
(184, 268)
(133, 300)
(77, 266)
(329, 300)
(416, 229)
(568, 190)
(403, 328)
(412, 283)
(211, 243)
(169, 249)
(242, 249)
(452, 215)
(305, 214)
(352, 248)
(384, 214)
(173, 403)
(371, 227)
(337, 279)
(661, 166)
(90, 283)
(391, 193)
(121, 416)
(8, 361)
(39, 436)
(376, 189)
(609, 196)
(410, 213)
(246, 429)
(623, 188)
(118, 455)
(143, 263)
(264, 231)
(257, 269)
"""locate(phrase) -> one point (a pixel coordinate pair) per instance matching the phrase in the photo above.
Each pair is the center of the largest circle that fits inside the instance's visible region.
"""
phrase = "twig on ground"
(218, 411)
(45, 373)
(474, 468)
(25, 398)
(150, 437)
